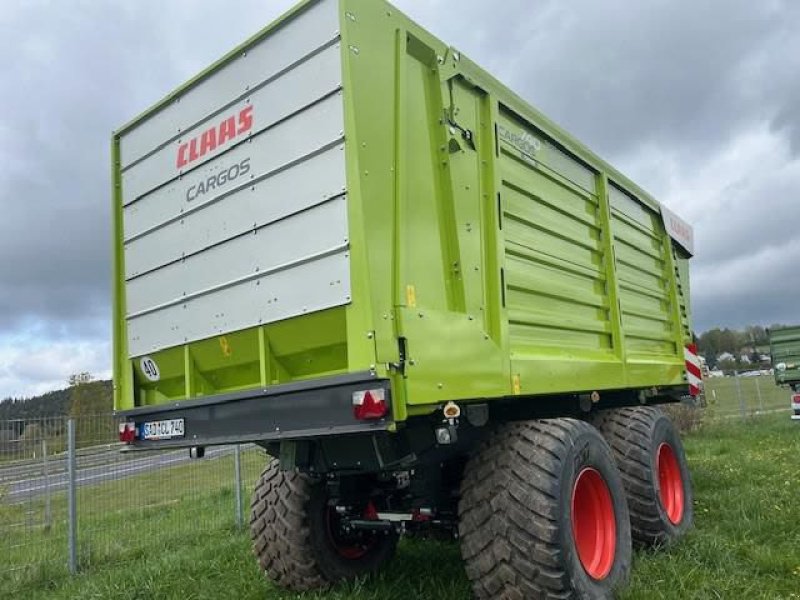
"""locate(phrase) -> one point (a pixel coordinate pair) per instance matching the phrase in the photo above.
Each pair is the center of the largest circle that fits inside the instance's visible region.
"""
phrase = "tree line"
(83, 396)
(752, 341)
(26, 422)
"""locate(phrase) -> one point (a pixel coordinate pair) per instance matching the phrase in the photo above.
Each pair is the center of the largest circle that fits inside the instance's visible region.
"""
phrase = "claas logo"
(216, 136)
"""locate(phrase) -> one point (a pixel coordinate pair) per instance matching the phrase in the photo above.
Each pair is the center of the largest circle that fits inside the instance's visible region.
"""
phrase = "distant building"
(725, 356)
(703, 365)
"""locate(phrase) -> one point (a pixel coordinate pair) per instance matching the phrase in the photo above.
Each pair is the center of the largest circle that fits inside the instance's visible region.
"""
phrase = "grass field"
(731, 396)
(746, 543)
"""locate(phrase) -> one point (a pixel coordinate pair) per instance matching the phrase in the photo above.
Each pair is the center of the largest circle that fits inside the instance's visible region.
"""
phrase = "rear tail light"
(370, 404)
(127, 432)
(795, 398)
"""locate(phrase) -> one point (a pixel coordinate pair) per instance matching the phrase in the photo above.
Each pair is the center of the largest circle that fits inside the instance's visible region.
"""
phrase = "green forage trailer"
(349, 244)
(784, 346)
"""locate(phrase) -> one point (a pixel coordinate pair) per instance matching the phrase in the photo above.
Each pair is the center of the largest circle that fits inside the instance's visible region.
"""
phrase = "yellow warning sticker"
(516, 386)
(225, 346)
(411, 296)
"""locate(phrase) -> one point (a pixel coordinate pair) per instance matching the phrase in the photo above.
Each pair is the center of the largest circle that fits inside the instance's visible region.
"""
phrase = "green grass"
(746, 543)
(122, 520)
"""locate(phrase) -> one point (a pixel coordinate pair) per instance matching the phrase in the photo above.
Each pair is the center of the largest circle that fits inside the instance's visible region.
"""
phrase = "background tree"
(91, 403)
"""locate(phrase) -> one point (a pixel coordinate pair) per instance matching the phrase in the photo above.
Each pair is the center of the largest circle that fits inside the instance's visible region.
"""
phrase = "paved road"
(115, 467)
(86, 457)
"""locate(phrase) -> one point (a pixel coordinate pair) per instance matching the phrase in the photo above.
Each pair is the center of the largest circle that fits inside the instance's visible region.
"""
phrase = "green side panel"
(640, 246)
(555, 281)
(432, 258)
(510, 268)
(784, 345)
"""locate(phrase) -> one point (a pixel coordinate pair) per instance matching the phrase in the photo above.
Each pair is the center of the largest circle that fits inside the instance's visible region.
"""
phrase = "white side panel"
(306, 288)
(678, 229)
(244, 208)
(241, 219)
(298, 238)
(294, 41)
(319, 78)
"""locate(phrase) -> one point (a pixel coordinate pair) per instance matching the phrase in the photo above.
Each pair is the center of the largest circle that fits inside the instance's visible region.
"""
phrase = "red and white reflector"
(370, 404)
(127, 432)
(796, 401)
(694, 374)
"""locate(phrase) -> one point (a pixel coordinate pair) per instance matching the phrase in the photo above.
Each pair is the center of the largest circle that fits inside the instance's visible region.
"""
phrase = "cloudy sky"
(699, 102)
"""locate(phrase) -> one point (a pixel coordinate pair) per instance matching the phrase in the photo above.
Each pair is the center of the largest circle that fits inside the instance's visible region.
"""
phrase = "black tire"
(636, 435)
(516, 512)
(296, 541)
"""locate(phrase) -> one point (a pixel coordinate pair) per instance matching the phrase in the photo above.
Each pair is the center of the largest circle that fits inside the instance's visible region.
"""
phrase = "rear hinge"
(400, 365)
(467, 135)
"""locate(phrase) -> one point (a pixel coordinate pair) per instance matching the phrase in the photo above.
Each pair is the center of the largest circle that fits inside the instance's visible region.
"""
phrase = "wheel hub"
(594, 525)
(349, 544)
(671, 492)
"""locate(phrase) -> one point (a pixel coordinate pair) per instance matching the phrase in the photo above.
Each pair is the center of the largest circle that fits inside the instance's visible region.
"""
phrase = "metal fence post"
(742, 407)
(237, 475)
(760, 399)
(72, 536)
(48, 515)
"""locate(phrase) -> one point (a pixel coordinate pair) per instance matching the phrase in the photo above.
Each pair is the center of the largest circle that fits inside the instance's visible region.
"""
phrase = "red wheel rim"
(594, 525)
(670, 483)
(347, 546)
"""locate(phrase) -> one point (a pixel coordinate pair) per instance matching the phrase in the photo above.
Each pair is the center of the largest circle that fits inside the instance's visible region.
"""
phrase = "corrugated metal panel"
(242, 220)
(785, 342)
(533, 147)
(299, 238)
(555, 282)
(280, 152)
(639, 248)
(312, 81)
(301, 289)
(280, 52)
(784, 345)
(257, 203)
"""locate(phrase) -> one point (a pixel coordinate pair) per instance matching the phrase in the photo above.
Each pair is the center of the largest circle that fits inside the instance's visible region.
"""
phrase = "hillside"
(58, 403)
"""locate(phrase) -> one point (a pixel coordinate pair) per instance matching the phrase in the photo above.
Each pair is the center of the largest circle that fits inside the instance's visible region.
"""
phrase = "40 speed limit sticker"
(149, 368)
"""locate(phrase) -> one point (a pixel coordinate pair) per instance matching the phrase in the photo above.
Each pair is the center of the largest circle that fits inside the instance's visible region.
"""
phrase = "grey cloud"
(754, 217)
(64, 95)
(734, 290)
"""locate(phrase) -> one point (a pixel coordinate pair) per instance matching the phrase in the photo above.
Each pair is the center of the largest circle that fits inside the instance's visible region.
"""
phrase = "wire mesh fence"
(33, 466)
(742, 396)
(128, 505)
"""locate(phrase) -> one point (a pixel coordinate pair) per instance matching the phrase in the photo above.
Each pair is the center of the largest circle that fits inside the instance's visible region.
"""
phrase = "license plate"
(163, 430)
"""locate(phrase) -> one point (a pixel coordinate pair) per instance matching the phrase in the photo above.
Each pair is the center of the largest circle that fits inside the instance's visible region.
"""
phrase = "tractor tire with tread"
(516, 513)
(291, 532)
(636, 435)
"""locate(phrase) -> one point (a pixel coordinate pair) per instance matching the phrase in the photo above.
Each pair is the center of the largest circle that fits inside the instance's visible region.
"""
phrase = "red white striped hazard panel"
(693, 373)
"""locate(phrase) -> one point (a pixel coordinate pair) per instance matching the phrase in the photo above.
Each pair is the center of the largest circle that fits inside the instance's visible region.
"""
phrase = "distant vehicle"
(784, 347)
